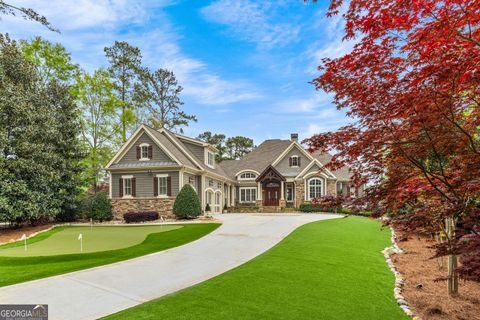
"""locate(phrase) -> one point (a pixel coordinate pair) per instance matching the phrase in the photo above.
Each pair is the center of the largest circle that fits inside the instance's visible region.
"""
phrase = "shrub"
(207, 208)
(140, 216)
(97, 207)
(308, 207)
(225, 207)
(187, 205)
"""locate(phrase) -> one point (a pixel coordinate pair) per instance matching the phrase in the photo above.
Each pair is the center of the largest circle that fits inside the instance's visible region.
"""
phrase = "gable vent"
(294, 136)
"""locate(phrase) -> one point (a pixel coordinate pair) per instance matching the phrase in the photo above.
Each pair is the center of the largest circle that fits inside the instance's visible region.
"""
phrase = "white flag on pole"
(80, 236)
(24, 237)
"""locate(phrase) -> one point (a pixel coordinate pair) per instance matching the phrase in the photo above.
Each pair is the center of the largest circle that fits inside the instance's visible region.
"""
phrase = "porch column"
(282, 190)
(232, 198)
(259, 191)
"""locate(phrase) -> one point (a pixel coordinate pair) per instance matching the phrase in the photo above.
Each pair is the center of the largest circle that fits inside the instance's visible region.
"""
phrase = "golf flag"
(24, 238)
(80, 237)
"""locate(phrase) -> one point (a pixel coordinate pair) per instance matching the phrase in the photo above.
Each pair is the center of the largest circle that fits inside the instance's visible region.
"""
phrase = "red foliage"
(412, 82)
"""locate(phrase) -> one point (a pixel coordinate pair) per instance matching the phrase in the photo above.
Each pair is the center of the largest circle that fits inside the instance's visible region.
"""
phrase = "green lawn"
(331, 269)
(64, 240)
(20, 269)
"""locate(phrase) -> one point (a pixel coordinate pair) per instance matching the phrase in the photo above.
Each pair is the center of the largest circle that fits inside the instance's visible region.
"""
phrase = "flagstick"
(25, 244)
(81, 244)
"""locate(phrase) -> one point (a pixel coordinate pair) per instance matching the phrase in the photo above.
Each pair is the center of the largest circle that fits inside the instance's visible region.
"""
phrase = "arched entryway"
(270, 181)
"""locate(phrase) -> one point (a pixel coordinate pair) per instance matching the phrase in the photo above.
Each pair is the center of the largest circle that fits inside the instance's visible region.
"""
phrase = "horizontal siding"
(144, 182)
(284, 165)
(198, 151)
(157, 154)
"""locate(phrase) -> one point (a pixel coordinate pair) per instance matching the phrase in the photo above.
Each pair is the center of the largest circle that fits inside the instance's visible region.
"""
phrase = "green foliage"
(308, 207)
(158, 92)
(39, 150)
(216, 140)
(125, 61)
(53, 62)
(25, 13)
(187, 204)
(97, 207)
(207, 208)
(97, 102)
(239, 146)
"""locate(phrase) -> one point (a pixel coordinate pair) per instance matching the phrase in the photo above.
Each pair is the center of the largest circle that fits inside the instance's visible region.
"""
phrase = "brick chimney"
(294, 136)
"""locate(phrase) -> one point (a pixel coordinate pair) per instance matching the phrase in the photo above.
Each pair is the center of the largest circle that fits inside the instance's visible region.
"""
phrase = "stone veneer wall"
(161, 205)
(331, 187)
(299, 193)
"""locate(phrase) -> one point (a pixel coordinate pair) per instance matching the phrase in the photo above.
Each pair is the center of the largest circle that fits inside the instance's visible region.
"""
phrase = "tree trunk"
(452, 283)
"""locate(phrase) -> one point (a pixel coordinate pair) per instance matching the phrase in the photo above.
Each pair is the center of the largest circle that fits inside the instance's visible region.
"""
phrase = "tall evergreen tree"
(125, 61)
(159, 93)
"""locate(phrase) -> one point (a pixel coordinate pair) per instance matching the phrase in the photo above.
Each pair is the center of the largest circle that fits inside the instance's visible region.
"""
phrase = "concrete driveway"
(97, 292)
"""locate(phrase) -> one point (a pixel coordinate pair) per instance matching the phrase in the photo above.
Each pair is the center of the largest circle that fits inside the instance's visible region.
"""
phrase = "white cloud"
(87, 26)
(305, 104)
(252, 21)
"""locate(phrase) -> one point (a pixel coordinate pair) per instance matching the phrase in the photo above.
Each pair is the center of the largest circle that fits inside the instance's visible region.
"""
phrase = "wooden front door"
(271, 195)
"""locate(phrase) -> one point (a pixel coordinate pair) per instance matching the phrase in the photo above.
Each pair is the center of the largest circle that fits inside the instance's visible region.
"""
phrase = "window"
(210, 183)
(294, 161)
(248, 176)
(314, 188)
(289, 190)
(248, 194)
(144, 152)
(210, 159)
(127, 187)
(162, 185)
(219, 185)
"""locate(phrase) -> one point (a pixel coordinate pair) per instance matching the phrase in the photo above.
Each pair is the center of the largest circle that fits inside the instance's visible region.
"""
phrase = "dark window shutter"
(138, 152)
(134, 187)
(290, 161)
(169, 186)
(120, 187)
(299, 163)
(150, 152)
(155, 186)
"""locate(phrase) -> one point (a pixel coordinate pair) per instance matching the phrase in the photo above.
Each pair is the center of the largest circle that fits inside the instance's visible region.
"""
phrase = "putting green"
(98, 238)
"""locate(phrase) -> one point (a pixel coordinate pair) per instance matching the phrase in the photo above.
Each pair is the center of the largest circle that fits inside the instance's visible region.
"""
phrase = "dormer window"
(144, 152)
(294, 161)
(248, 176)
(210, 159)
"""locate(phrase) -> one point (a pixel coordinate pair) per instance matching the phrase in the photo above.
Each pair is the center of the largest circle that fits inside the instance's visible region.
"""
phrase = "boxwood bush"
(187, 205)
(140, 216)
(97, 207)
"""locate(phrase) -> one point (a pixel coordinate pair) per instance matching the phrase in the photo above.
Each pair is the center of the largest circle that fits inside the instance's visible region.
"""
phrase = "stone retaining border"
(399, 281)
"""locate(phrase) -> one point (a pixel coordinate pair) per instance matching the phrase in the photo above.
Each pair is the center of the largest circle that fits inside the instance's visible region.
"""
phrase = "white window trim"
(162, 175)
(297, 157)
(247, 188)
(123, 192)
(293, 191)
(141, 152)
(207, 153)
(250, 179)
(307, 188)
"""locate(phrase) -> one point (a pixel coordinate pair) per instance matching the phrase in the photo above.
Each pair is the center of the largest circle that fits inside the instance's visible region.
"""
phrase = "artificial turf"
(94, 239)
(331, 269)
(19, 269)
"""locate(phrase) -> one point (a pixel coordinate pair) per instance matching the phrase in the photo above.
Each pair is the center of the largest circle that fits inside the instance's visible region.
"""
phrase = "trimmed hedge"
(308, 207)
(187, 205)
(140, 216)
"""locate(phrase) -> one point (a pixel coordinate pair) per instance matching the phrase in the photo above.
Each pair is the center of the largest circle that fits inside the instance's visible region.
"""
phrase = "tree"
(25, 13)
(239, 146)
(412, 83)
(217, 140)
(159, 93)
(53, 61)
(97, 104)
(125, 61)
(39, 154)
(187, 204)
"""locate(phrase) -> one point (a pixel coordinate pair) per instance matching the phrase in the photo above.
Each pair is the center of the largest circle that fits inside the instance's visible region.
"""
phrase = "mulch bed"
(12, 234)
(432, 301)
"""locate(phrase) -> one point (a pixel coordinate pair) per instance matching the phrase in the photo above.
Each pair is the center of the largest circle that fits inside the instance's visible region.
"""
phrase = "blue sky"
(244, 64)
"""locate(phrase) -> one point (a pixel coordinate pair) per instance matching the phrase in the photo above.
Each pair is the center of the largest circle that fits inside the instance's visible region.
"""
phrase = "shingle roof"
(143, 164)
(342, 174)
(258, 159)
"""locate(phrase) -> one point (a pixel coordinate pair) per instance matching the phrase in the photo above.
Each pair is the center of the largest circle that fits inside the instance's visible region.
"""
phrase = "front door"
(271, 194)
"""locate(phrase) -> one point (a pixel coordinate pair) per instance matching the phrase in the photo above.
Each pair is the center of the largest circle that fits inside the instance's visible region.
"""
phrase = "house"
(148, 171)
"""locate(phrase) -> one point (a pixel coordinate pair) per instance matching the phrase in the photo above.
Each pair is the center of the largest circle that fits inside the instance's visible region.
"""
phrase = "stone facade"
(299, 193)
(282, 203)
(161, 205)
(331, 187)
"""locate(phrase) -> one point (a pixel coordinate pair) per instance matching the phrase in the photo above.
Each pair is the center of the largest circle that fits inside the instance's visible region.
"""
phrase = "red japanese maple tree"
(412, 84)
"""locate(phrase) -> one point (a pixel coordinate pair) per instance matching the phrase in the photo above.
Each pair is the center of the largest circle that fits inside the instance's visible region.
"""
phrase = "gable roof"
(258, 159)
(342, 174)
(293, 144)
